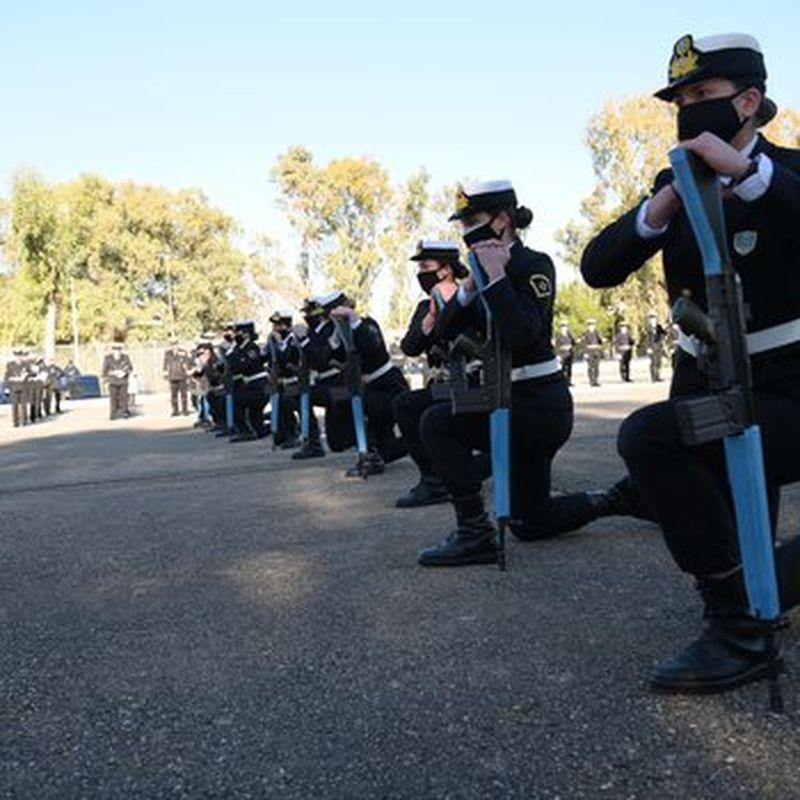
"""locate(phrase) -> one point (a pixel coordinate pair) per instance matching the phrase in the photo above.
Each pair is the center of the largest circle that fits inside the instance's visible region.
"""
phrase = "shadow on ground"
(186, 618)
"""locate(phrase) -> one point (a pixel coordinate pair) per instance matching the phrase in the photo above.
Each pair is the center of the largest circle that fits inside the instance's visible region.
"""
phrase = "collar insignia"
(684, 58)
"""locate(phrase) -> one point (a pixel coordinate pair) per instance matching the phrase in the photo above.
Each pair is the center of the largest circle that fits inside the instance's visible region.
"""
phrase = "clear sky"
(208, 94)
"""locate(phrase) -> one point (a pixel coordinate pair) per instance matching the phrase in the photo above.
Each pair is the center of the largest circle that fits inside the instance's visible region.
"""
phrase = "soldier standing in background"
(117, 368)
(655, 345)
(16, 382)
(34, 390)
(623, 344)
(176, 371)
(56, 384)
(565, 350)
(593, 348)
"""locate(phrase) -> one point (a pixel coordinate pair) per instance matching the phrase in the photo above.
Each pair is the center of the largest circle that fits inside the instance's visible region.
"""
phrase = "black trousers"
(378, 401)
(625, 365)
(408, 410)
(248, 407)
(566, 368)
(541, 422)
(686, 488)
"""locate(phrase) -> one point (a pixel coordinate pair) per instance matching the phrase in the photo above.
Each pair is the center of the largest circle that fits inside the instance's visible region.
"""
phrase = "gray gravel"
(186, 618)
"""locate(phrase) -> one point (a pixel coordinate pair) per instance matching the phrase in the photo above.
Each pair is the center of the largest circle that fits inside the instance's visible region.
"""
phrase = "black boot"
(787, 566)
(429, 491)
(311, 449)
(473, 542)
(733, 650)
(368, 464)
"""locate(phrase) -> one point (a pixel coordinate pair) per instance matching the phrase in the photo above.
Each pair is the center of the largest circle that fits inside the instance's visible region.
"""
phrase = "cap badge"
(462, 200)
(684, 58)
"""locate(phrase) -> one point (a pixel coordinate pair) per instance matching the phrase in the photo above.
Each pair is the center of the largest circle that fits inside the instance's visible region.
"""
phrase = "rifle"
(275, 391)
(301, 387)
(492, 395)
(728, 413)
(353, 391)
(228, 397)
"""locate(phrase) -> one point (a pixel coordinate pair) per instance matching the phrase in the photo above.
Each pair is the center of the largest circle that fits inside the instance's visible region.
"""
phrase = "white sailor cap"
(736, 56)
(483, 196)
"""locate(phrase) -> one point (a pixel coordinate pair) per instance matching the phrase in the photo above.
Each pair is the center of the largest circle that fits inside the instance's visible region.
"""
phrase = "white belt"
(758, 342)
(529, 371)
(473, 366)
(329, 373)
(373, 376)
(288, 381)
(256, 377)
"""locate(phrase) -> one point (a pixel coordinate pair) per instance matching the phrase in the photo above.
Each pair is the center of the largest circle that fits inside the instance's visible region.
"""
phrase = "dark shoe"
(289, 444)
(309, 450)
(732, 651)
(367, 464)
(722, 658)
(473, 542)
(174, 414)
(430, 491)
(248, 436)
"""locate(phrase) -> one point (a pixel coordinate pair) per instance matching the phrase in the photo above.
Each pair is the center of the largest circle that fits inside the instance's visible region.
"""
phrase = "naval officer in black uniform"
(718, 86)
(520, 294)
(439, 266)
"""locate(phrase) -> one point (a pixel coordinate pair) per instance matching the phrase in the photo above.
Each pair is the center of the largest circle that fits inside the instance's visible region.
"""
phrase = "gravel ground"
(182, 617)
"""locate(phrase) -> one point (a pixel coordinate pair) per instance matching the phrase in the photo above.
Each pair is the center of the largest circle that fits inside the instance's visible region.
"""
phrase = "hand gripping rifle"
(353, 390)
(728, 412)
(492, 395)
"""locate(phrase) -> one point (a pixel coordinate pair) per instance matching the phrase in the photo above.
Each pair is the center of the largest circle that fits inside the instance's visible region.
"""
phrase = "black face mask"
(228, 337)
(238, 338)
(427, 280)
(718, 116)
(482, 234)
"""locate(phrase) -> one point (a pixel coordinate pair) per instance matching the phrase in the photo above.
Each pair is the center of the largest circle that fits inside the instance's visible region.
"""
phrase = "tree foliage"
(143, 262)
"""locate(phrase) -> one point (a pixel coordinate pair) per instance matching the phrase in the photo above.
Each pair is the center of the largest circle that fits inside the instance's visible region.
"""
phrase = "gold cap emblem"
(462, 200)
(684, 58)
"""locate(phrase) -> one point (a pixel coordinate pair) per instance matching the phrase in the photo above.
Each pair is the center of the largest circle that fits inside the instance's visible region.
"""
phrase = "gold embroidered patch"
(541, 285)
(684, 58)
(462, 200)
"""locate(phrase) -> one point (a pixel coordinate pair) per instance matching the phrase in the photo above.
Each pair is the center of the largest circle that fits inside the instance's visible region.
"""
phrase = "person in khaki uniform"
(16, 382)
(176, 371)
(117, 368)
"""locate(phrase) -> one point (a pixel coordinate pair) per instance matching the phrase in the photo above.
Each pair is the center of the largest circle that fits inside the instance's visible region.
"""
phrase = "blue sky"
(208, 94)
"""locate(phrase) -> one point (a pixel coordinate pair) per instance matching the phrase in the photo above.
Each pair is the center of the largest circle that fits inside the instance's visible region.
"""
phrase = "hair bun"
(524, 217)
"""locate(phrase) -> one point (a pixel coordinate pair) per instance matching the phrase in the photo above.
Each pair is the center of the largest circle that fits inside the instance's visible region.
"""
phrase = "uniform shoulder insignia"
(541, 285)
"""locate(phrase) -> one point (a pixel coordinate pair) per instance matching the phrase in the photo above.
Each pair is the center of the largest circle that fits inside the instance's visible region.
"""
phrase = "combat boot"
(430, 491)
(368, 464)
(732, 651)
(473, 541)
(311, 449)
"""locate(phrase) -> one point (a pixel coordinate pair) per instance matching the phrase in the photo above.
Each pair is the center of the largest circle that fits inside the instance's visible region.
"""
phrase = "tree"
(143, 262)
(343, 213)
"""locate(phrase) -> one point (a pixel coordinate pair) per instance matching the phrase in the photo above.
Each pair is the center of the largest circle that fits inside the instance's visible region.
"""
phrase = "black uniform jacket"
(765, 254)
(521, 303)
